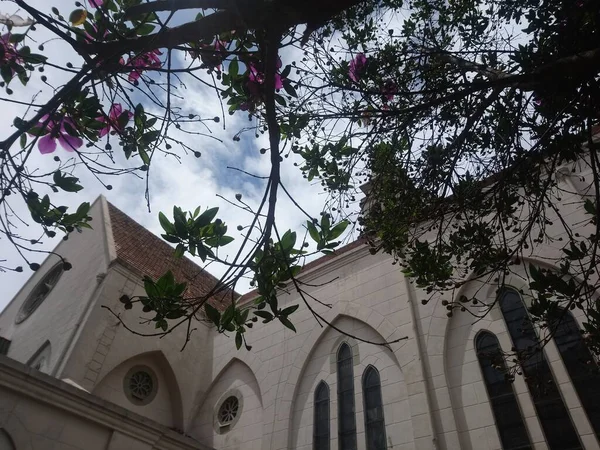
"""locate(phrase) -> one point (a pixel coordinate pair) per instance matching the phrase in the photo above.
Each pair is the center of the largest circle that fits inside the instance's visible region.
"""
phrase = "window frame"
(348, 372)
(322, 386)
(370, 369)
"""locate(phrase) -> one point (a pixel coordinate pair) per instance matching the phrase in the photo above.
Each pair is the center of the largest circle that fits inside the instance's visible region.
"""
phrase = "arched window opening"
(549, 406)
(346, 413)
(581, 366)
(509, 421)
(321, 426)
(374, 422)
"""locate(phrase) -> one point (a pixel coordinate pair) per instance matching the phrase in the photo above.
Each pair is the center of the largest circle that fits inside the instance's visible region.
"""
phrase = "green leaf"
(312, 230)
(171, 239)
(144, 156)
(212, 313)
(290, 90)
(206, 217)
(228, 315)
(233, 68)
(288, 240)
(144, 29)
(238, 340)
(289, 310)
(264, 315)
(166, 224)
(338, 230)
(325, 223)
(285, 321)
(179, 250)
(6, 73)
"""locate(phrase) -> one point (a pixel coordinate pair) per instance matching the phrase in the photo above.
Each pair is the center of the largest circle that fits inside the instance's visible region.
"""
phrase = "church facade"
(73, 378)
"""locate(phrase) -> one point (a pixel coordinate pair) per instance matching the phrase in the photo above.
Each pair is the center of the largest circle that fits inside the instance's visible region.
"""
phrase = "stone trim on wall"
(334, 352)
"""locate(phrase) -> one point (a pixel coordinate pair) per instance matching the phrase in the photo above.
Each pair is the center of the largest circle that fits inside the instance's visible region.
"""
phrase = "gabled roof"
(140, 250)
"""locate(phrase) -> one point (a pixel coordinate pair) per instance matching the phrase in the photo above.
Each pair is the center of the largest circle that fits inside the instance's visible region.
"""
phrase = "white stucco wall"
(368, 299)
(105, 348)
(245, 433)
(58, 316)
(39, 412)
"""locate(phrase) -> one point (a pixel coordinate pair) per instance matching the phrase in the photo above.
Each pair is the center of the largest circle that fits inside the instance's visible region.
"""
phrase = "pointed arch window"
(346, 413)
(374, 422)
(581, 366)
(321, 427)
(507, 414)
(549, 406)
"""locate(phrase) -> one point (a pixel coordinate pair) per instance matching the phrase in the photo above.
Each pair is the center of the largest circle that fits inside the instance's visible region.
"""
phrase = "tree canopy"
(455, 115)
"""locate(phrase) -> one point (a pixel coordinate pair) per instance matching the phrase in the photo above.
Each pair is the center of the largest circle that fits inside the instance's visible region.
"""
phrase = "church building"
(73, 378)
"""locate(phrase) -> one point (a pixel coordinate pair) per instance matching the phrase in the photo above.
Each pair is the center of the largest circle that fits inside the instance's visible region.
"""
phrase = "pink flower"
(143, 62)
(357, 67)
(214, 60)
(254, 85)
(96, 3)
(57, 131)
(9, 51)
(115, 112)
(90, 39)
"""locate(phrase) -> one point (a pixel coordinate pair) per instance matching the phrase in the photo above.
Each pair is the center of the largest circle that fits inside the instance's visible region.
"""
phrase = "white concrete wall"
(236, 380)
(105, 348)
(59, 314)
(161, 409)
(368, 299)
(321, 366)
(38, 412)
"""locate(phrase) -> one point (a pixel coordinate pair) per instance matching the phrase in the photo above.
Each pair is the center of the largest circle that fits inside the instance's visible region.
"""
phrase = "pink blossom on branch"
(57, 131)
(357, 67)
(115, 112)
(149, 60)
(96, 3)
(9, 53)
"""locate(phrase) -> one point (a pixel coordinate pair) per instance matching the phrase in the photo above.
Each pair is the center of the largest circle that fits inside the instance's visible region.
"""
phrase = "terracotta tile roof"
(317, 262)
(140, 250)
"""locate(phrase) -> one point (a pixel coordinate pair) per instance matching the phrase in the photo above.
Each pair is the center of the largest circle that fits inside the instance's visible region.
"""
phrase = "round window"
(228, 410)
(40, 292)
(140, 385)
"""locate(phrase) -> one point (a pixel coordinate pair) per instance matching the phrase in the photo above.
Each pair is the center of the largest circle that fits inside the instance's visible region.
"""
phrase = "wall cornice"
(42, 388)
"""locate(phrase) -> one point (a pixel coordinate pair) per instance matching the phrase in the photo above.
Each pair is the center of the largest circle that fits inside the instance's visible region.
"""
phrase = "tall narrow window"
(346, 417)
(321, 427)
(374, 423)
(507, 414)
(549, 406)
(581, 367)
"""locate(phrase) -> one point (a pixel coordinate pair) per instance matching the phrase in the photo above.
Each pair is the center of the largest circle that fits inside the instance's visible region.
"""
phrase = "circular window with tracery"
(228, 410)
(40, 292)
(140, 385)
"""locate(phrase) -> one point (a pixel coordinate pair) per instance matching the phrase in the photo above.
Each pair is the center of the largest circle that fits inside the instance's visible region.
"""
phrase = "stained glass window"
(507, 414)
(321, 427)
(549, 406)
(374, 422)
(346, 413)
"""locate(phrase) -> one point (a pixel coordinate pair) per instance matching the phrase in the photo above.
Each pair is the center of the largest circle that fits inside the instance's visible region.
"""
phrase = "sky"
(188, 182)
